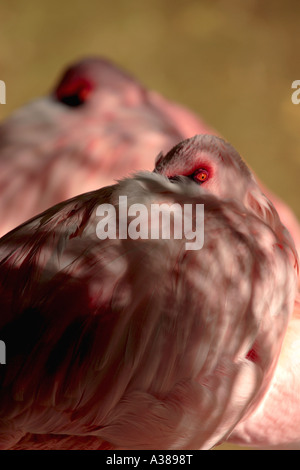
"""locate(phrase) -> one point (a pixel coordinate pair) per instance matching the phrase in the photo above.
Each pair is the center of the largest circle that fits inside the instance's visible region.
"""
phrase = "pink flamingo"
(99, 124)
(136, 344)
(276, 421)
(49, 139)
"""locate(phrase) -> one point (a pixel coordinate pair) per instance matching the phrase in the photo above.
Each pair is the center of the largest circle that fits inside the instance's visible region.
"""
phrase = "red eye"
(200, 176)
(73, 91)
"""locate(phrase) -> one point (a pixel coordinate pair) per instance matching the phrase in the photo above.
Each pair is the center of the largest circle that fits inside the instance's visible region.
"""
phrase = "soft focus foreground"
(232, 62)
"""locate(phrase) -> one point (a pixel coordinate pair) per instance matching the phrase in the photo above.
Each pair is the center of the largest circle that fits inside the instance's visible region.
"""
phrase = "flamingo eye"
(73, 92)
(200, 176)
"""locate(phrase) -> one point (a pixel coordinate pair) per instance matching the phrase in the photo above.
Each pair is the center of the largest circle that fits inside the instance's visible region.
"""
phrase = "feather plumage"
(125, 340)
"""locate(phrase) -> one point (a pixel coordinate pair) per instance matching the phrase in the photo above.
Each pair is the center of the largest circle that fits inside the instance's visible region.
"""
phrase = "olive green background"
(231, 61)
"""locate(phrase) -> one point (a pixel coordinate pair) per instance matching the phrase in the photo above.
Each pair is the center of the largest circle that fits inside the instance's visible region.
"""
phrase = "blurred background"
(230, 61)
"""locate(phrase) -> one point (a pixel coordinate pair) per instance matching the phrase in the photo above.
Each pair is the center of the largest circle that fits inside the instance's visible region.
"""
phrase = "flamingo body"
(123, 343)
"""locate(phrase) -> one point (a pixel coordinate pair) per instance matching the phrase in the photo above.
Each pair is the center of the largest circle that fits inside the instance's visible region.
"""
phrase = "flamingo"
(97, 125)
(275, 424)
(139, 343)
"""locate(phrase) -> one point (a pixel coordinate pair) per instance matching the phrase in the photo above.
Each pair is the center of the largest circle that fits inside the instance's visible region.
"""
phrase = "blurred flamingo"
(99, 124)
(138, 344)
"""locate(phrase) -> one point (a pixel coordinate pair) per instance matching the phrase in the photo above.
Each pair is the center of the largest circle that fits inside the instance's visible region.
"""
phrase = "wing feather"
(138, 342)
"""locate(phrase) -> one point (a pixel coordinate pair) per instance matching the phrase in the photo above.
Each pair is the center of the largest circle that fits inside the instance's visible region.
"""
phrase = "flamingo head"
(88, 82)
(217, 167)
